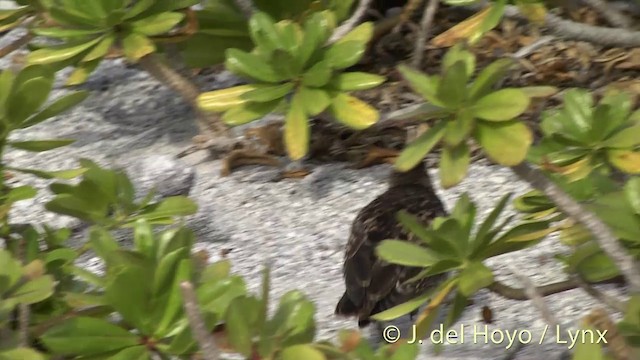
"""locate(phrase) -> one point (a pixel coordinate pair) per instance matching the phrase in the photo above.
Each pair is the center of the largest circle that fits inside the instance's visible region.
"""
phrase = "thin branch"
(425, 30)
(610, 13)
(208, 124)
(15, 45)
(208, 348)
(544, 290)
(583, 32)
(604, 236)
(608, 300)
(352, 22)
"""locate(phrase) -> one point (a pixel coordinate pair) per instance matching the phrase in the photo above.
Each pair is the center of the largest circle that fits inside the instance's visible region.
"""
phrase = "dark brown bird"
(373, 285)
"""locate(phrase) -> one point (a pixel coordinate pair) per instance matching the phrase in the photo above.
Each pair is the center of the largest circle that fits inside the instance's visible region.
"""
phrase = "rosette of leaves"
(88, 30)
(222, 25)
(581, 138)
(12, 18)
(448, 244)
(20, 285)
(467, 110)
(292, 70)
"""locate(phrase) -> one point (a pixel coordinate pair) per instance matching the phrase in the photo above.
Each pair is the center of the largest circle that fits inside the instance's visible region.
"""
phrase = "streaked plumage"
(373, 285)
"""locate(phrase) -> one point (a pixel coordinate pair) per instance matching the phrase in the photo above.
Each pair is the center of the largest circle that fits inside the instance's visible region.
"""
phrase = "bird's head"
(416, 176)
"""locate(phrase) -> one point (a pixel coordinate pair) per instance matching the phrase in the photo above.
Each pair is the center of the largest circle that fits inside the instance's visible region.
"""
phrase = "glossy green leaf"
(157, 24)
(60, 53)
(296, 130)
(459, 128)
(506, 143)
(62, 33)
(502, 105)
(238, 325)
(457, 53)
(87, 336)
(128, 292)
(297, 352)
(488, 77)
(136, 46)
(349, 49)
(314, 100)
(317, 30)
(140, 352)
(245, 64)
(353, 81)
(578, 112)
(318, 75)
(264, 33)
(82, 72)
(268, 93)
(27, 99)
(402, 252)
(626, 138)
(454, 164)
(402, 309)
(353, 112)
(420, 147)
(101, 49)
(453, 86)
(474, 277)
(21, 353)
(247, 112)
(40, 145)
(169, 207)
(59, 174)
(224, 99)
(35, 290)
(632, 191)
(426, 86)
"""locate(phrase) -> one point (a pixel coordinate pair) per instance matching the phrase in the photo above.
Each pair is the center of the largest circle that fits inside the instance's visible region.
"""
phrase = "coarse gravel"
(299, 226)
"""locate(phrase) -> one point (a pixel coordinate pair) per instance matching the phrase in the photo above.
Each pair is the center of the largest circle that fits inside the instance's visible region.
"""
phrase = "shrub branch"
(604, 236)
(342, 30)
(208, 348)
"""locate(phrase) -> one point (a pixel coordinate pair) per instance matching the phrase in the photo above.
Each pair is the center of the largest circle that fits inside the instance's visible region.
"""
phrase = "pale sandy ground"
(301, 226)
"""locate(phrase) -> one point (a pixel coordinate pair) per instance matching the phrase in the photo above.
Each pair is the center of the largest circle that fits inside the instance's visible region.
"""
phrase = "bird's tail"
(347, 308)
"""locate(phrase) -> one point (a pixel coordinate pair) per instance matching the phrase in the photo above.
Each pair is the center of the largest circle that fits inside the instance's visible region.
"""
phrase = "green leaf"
(35, 290)
(238, 325)
(296, 130)
(21, 353)
(353, 81)
(588, 350)
(481, 238)
(402, 309)
(40, 145)
(305, 351)
(143, 237)
(454, 164)
(452, 87)
(502, 105)
(353, 112)
(318, 75)
(139, 352)
(316, 32)
(19, 193)
(248, 112)
(474, 277)
(314, 100)
(626, 138)
(268, 93)
(350, 48)
(60, 53)
(405, 253)
(264, 33)
(27, 99)
(459, 129)
(506, 142)
(457, 53)
(87, 336)
(426, 86)
(100, 50)
(632, 190)
(224, 99)
(58, 174)
(157, 24)
(168, 207)
(129, 292)
(488, 77)
(58, 107)
(578, 112)
(420, 147)
(135, 46)
(245, 64)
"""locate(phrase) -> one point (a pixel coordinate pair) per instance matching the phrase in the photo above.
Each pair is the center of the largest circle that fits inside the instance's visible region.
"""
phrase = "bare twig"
(611, 14)
(583, 32)
(208, 348)
(601, 232)
(247, 7)
(352, 22)
(425, 29)
(544, 290)
(610, 301)
(16, 44)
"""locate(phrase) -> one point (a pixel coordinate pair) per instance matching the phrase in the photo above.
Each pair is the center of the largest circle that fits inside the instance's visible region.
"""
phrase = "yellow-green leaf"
(424, 85)
(353, 112)
(502, 105)
(157, 24)
(136, 46)
(247, 112)
(245, 64)
(356, 81)
(299, 352)
(40, 145)
(506, 143)
(318, 75)
(625, 160)
(314, 100)
(101, 49)
(454, 164)
(296, 130)
(224, 99)
(268, 92)
(60, 53)
(420, 147)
